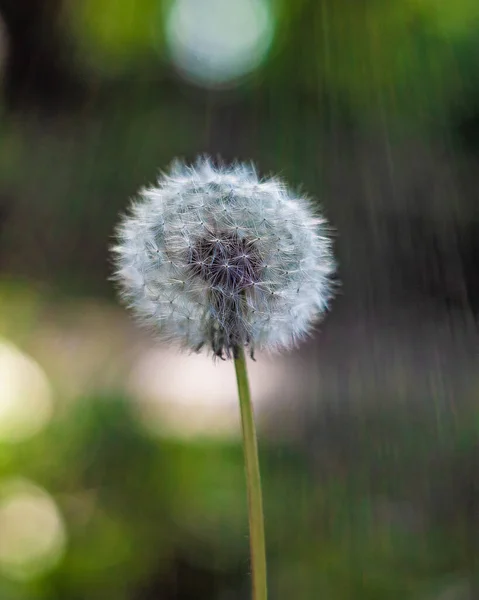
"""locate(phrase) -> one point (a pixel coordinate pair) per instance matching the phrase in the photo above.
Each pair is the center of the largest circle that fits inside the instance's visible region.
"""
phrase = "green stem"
(253, 482)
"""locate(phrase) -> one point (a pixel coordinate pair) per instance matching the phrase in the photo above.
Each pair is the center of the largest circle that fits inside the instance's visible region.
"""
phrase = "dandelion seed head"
(215, 257)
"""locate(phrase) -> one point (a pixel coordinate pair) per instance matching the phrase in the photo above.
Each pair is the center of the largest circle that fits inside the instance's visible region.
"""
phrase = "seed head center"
(226, 261)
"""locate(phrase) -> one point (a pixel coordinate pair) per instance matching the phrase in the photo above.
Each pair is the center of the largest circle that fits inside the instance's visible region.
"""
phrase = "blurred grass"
(374, 518)
(132, 503)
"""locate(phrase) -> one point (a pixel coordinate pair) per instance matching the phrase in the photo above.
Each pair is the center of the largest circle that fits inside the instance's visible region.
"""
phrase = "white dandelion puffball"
(215, 257)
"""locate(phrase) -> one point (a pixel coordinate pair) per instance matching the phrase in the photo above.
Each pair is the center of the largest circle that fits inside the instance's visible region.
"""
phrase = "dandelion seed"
(234, 250)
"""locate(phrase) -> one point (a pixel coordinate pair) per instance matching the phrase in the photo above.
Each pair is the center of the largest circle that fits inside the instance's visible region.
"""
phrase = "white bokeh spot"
(26, 403)
(189, 396)
(214, 42)
(32, 532)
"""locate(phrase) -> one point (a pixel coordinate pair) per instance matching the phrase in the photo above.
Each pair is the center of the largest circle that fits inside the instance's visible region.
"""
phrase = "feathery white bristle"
(215, 257)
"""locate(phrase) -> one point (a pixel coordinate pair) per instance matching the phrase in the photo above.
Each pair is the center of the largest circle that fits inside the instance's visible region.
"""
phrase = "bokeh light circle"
(204, 402)
(213, 42)
(32, 532)
(26, 402)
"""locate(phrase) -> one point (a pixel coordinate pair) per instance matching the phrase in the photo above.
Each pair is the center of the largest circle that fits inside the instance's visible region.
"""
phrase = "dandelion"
(216, 257)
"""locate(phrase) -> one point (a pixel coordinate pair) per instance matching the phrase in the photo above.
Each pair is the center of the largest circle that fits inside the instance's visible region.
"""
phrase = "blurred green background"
(121, 471)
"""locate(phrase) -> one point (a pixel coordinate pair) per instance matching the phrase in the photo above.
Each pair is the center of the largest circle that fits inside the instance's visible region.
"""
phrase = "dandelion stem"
(253, 481)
